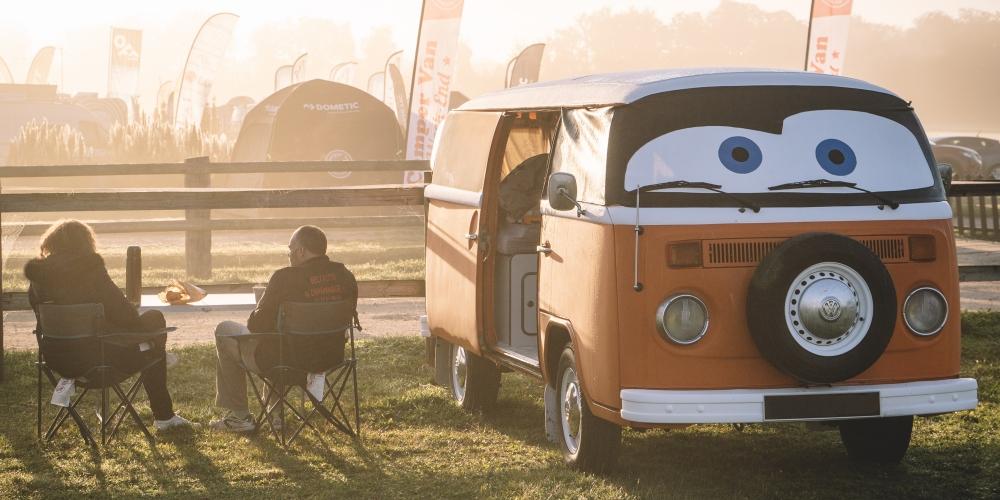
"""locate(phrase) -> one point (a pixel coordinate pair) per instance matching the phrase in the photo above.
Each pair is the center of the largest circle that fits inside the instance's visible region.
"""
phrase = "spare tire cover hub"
(827, 308)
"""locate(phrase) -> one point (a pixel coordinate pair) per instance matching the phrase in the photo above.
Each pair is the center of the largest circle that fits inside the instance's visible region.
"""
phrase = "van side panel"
(726, 357)
(577, 282)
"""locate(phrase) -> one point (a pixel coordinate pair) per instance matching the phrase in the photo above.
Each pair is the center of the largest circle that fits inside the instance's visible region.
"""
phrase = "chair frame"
(100, 375)
(272, 394)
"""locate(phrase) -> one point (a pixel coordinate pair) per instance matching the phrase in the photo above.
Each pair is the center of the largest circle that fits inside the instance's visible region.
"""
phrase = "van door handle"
(544, 249)
(472, 236)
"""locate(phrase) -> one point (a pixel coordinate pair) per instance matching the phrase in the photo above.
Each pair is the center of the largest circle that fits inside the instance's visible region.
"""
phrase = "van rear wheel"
(588, 443)
(474, 381)
(881, 440)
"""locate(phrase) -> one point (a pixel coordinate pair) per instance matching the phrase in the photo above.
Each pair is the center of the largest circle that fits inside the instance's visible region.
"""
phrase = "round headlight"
(682, 318)
(925, 311)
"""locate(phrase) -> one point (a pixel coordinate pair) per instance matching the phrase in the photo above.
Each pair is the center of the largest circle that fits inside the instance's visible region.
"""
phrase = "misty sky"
(494, 31)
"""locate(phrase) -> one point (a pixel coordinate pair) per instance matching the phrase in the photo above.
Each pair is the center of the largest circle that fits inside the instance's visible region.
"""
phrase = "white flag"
(829, 25)
(433, 70)
(202, 64)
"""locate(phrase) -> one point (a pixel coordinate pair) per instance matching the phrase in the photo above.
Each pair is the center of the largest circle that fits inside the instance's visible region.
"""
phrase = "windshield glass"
(747, 139)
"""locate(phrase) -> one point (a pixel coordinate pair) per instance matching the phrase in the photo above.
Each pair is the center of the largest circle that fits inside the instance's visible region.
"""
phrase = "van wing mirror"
(562, 193)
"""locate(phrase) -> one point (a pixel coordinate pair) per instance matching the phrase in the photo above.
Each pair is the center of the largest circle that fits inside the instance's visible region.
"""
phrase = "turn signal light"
(684, 254)
(922, 248)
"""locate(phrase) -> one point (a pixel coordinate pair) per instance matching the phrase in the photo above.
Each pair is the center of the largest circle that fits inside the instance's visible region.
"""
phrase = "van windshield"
(746, 139)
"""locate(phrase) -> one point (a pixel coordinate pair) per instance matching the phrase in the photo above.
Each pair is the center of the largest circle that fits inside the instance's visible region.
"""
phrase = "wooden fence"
(977, 213)
(198, 198)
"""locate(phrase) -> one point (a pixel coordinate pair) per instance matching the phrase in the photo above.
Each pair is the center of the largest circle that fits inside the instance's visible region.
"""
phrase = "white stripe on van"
(454, 195)
(689, 216)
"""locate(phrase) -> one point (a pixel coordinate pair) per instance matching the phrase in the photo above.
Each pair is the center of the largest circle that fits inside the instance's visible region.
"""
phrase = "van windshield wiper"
(744, 204)
(814, 183)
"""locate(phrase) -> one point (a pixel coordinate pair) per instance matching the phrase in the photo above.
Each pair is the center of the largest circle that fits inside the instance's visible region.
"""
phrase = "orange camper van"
(668, 248)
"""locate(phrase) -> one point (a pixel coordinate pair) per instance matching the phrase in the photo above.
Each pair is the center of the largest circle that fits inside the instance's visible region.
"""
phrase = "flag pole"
(413, 75)
(812, 5)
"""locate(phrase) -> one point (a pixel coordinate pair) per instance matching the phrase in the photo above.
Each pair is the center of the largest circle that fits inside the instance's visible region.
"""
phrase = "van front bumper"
(929, 397)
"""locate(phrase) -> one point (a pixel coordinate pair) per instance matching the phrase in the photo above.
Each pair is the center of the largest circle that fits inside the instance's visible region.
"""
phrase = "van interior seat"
(521, 194)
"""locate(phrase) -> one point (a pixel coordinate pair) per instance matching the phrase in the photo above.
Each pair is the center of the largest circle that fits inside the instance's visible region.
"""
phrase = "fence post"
(133, 275)
(198, 242)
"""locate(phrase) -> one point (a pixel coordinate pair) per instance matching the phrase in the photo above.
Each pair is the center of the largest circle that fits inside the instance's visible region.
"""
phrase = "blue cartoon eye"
(836, 157)
(740, 155)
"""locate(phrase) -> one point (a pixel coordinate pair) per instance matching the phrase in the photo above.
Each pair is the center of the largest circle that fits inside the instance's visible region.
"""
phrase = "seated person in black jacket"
(70, 271)
(312, 277)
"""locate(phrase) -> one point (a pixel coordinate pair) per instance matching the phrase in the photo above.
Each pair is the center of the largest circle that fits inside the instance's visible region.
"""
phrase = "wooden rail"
(200, 166)
(210, 198)
(976, 208)
(18, 301)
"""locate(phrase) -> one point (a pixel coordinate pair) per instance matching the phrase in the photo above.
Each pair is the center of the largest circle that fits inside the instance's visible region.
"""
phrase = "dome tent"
(319, 120)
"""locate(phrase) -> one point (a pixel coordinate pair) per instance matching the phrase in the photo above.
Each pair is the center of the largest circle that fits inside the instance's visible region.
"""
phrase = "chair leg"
(357, 402)
(38, 421)
(120, 411)
(131, 411)
(104, 415)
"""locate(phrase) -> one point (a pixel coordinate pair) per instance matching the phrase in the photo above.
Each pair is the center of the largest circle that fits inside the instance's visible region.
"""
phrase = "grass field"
(418, 443)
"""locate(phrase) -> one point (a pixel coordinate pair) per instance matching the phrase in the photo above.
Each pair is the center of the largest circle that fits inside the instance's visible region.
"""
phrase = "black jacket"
(80, 279)
(316, 280)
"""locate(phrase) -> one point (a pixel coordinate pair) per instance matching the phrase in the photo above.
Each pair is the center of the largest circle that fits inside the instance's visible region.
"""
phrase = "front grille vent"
(742, 253)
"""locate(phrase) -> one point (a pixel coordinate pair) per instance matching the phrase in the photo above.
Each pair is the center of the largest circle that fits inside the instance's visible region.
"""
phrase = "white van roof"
(624, 88)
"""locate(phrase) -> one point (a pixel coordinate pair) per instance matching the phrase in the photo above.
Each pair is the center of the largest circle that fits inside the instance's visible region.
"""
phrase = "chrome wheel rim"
(571, 410)
(459, 372)
(828, 309)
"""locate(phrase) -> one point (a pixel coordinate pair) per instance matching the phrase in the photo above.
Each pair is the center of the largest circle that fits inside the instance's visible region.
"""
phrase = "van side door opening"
(519, 182)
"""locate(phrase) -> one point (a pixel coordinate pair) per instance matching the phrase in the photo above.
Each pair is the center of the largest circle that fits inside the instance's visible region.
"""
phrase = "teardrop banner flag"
(202, 64)
(399, 104)
(282, 77)
(828, 26)
(389, 87)
(526, 66)
(165, 102)
(299, 69)
(41, 66)
(5, 74)
(376, 85)
(344, 73)
(123, 65)
(433, 71)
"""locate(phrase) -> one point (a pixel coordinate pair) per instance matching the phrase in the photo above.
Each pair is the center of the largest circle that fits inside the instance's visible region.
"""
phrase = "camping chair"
(79, 331)
(311, 338)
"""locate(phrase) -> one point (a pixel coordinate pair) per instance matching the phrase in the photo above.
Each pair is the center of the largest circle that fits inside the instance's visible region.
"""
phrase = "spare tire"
(821, 307)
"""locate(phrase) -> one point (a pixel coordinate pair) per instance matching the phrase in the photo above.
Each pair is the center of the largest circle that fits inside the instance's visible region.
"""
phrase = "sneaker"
(174, 422)
(232, 423)
(276, 422)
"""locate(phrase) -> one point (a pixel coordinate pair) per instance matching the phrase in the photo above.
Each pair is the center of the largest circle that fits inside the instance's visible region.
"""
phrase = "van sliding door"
(454, 255)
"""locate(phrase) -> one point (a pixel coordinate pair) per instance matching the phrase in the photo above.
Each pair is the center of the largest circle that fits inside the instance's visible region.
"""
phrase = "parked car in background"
(966, 163)
(988, 148)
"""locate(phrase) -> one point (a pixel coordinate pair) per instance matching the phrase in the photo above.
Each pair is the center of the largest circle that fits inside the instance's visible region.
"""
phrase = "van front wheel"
(474, 381)
(882, 440)
(588, 443)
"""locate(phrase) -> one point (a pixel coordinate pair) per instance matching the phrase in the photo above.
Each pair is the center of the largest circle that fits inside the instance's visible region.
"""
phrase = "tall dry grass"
(144, 141)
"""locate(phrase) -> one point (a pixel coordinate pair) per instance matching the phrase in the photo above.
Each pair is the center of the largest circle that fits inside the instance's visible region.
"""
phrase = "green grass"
(248, 262)
(418, 443)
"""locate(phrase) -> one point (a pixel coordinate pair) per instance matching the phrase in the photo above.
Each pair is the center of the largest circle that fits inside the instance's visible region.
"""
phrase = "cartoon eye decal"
(740, 155)
(836, 157)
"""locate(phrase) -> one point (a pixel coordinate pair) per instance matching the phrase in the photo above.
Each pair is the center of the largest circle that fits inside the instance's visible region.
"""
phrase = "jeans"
(230, 378)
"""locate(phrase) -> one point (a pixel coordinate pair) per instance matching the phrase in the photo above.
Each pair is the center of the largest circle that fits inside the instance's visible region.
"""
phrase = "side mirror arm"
(579, 209)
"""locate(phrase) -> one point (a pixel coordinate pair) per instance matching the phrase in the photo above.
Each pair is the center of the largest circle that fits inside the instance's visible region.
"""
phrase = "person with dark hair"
(70, 271)
(310, 277)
